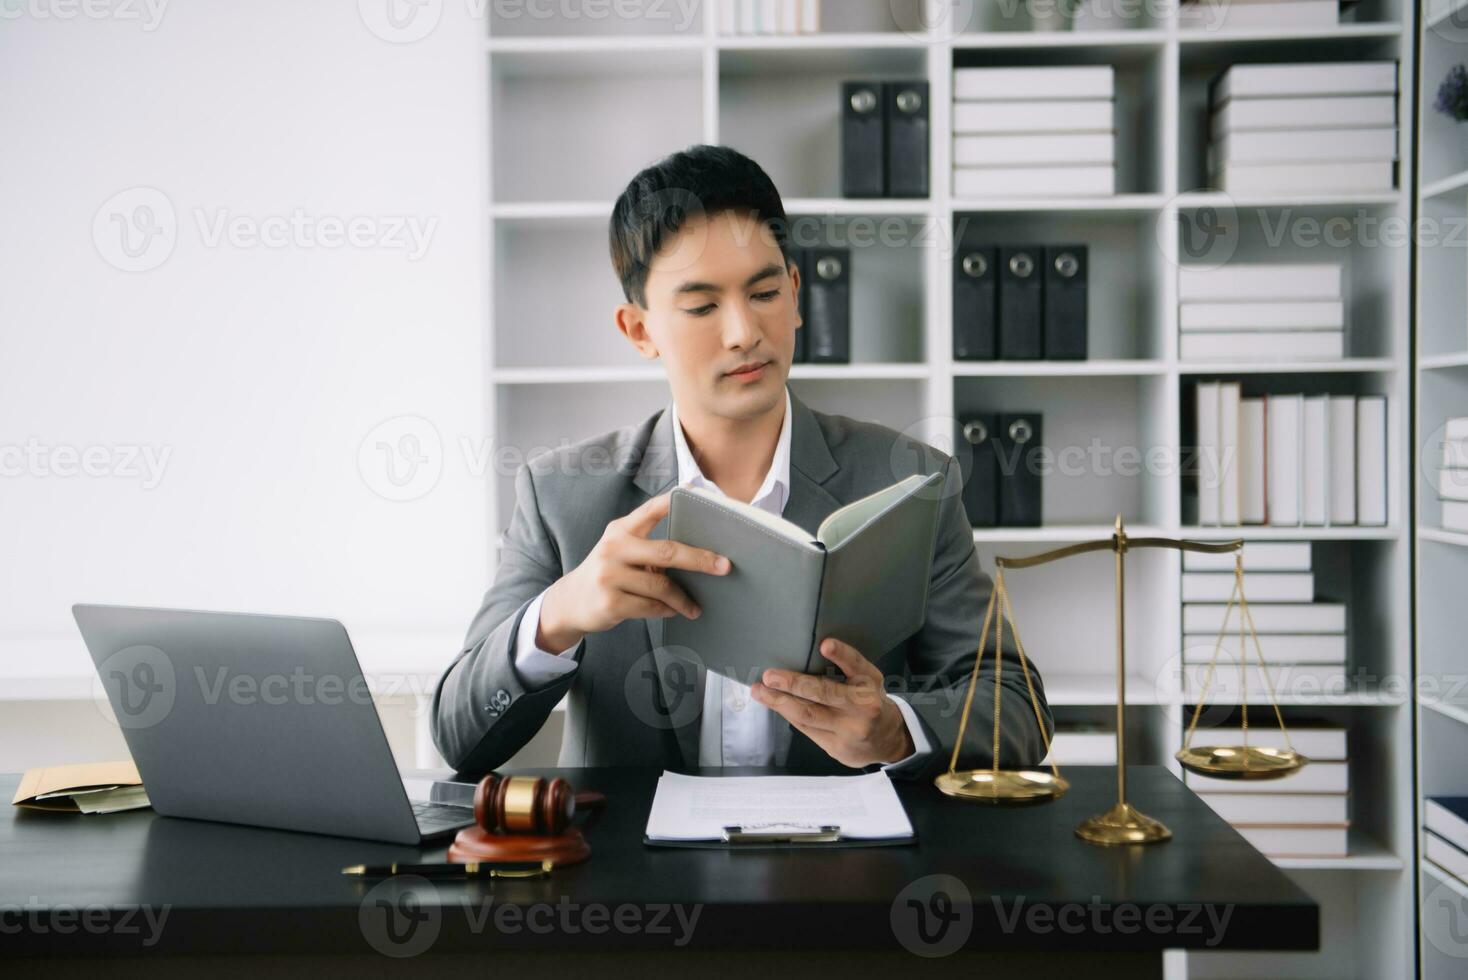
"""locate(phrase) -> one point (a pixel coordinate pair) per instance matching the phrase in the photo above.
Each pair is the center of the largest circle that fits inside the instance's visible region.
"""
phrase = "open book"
(863, 579)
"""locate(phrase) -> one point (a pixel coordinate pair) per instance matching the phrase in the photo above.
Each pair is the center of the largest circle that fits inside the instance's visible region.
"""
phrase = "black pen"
(474, 869)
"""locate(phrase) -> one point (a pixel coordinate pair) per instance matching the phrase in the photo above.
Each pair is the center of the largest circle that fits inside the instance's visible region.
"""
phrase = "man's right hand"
(624, 577)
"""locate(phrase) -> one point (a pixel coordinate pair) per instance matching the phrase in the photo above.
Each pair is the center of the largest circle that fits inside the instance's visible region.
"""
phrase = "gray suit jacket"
(628, 703)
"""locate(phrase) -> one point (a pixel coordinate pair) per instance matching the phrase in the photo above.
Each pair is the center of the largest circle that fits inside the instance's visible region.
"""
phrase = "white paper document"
(700, 807)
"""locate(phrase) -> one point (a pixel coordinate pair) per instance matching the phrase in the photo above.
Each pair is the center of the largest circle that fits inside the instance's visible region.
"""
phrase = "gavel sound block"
(524, 818)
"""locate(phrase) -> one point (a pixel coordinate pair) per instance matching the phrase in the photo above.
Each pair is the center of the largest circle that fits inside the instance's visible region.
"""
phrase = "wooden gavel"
(525, 818)
(529, 804)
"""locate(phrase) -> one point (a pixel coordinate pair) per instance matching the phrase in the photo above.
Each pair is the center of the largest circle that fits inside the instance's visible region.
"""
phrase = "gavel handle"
(590, 799)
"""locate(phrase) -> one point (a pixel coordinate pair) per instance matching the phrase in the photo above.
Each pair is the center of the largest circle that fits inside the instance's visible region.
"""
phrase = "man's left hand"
(854, 721)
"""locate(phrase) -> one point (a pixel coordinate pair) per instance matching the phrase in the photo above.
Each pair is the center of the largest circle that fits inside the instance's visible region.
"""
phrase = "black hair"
(701, 180)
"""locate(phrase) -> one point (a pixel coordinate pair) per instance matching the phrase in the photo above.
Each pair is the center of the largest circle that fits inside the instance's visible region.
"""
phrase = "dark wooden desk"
(136, 883)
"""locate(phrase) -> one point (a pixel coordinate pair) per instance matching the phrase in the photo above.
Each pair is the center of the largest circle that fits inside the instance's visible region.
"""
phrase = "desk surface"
(71, 883)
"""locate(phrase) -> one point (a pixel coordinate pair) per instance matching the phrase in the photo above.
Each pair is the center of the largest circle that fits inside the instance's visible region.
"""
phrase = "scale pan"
(1007, 786)
(1241, 761)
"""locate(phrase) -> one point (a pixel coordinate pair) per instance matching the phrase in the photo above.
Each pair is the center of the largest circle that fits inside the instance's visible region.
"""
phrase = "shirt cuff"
(920, 746)
(539, 668)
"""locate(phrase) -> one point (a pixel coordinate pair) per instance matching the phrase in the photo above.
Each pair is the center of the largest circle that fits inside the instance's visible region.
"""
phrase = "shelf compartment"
(1200, 63)
(1126, 325)
(1098, 436)
(551, 115)
(1140, 74)
(1358, 237)
(782, 107)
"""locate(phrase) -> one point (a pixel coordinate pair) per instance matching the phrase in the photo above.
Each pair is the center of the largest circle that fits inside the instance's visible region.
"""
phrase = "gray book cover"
(863, 578)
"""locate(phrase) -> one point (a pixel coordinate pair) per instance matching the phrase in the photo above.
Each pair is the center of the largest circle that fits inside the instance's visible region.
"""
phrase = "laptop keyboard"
(433, 817)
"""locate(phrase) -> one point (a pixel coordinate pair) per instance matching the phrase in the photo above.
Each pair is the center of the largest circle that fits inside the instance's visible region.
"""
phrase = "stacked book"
(1034, 131)
(1081, 744)
(1304, 128)
(770, 16)
(1452, 475)
(1290, 460)
(1228, 15)
(1261, 311)
(1302, 641)
(1306, 814)
(1446, 842)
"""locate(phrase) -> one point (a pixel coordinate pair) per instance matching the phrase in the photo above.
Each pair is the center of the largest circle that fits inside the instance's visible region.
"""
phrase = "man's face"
(721, 299)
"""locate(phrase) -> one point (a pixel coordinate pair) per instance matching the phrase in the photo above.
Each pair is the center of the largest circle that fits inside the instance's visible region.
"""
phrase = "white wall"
(258, 369)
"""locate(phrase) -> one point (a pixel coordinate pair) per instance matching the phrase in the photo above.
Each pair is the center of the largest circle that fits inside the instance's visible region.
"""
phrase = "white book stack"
(1261, 312)
(1445, 818)
(1076, 744)
(770, 16)
(1230, 15)
(1034, 131)
(1292, 460)
(1452, 476)
(1303, 642)
(1303, 815)
(1328, 127)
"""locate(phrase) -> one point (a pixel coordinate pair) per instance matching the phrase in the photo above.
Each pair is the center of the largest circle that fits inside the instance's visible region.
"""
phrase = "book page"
(845, 521)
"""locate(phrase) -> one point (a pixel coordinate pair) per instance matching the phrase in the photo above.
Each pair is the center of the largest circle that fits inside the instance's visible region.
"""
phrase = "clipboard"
(763, 839)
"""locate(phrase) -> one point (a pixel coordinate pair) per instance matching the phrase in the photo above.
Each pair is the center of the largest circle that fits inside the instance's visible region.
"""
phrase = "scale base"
(1007, 786)
(1123, 824)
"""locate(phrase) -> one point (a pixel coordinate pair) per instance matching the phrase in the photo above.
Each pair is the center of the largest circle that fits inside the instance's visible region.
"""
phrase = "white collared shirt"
(734, 729)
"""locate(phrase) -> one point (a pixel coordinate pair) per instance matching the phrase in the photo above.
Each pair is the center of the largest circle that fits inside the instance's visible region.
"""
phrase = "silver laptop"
(261, 720)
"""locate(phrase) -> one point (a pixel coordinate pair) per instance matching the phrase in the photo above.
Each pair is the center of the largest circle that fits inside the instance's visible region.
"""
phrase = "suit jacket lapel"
(808, 503)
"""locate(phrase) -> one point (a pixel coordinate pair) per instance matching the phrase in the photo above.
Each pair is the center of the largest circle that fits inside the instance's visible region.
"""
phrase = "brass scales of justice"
(1123, 823)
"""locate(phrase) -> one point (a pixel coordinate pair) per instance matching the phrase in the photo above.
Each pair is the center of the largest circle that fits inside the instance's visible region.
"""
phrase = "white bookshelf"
(574, 109)
(1441, 556)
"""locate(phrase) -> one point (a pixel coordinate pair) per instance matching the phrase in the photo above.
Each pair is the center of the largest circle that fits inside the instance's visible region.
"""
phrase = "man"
(577, 607)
